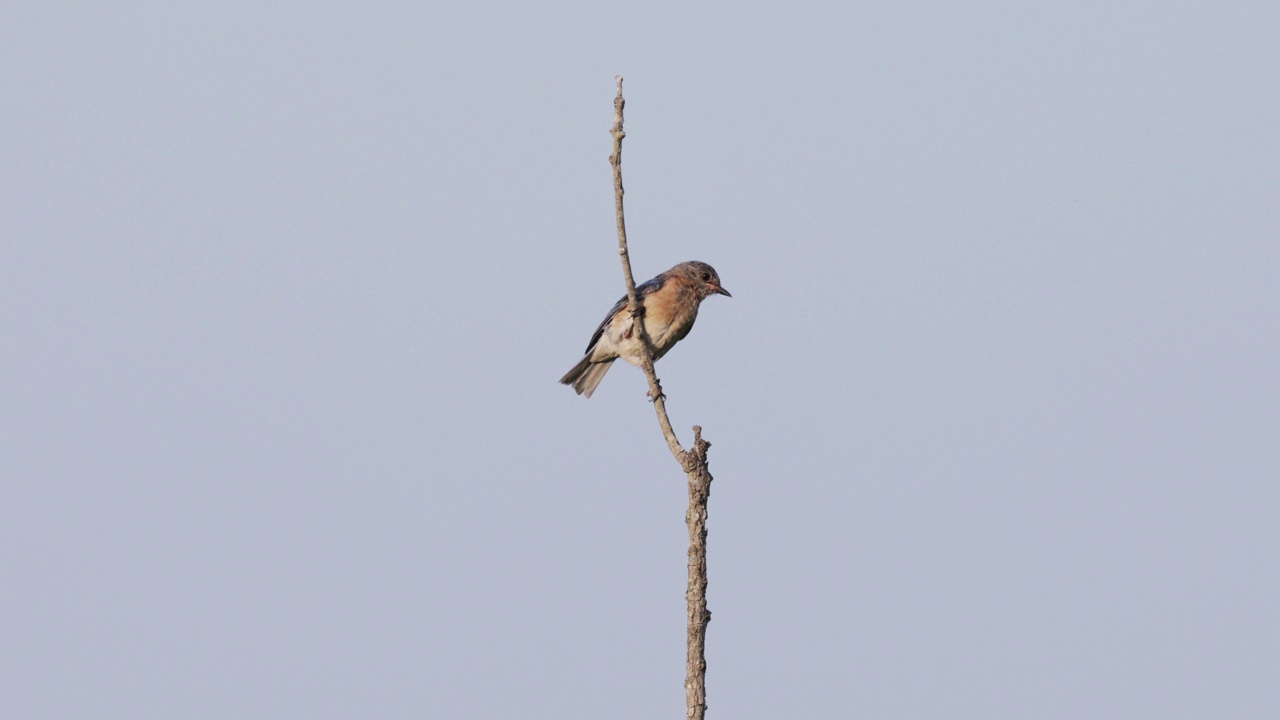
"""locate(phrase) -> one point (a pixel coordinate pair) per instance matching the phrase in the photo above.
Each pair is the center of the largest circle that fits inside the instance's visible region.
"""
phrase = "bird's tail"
(586, 375)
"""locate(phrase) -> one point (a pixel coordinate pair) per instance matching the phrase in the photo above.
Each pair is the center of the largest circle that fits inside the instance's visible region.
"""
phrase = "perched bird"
(670, 306)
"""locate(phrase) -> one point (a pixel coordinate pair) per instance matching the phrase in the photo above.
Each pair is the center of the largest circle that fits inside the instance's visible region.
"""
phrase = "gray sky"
(285, 293)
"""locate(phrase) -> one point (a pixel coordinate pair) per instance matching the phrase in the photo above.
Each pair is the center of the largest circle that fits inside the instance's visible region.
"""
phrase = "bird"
(670, 303)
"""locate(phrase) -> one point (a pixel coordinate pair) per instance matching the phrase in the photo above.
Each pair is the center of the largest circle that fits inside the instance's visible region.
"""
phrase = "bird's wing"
(647, 287)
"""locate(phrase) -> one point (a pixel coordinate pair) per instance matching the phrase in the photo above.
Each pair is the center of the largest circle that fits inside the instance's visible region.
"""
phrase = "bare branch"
(637, 310)
(693, 461)
(695, 682)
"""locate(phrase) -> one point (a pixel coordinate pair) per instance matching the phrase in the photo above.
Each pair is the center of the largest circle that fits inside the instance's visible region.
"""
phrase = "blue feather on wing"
(648, 287)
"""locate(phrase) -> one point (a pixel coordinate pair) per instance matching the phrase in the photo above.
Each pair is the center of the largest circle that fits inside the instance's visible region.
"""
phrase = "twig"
(637, 310)
(693, 461)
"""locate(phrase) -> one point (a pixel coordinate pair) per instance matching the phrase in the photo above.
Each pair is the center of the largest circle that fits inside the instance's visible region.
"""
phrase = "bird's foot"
(656, 393)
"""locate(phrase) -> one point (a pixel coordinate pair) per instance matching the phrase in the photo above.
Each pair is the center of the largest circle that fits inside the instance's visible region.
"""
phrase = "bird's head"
(703, 277)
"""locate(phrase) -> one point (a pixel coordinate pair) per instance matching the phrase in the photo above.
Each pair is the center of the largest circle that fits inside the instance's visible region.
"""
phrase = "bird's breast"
(668, 317)
(668, 322)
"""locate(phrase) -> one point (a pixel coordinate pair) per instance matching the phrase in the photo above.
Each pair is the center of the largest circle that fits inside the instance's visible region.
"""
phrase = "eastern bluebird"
(670, 306)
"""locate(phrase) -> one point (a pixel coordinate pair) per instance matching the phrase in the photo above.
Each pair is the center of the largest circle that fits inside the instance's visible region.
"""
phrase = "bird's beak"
(721, 291)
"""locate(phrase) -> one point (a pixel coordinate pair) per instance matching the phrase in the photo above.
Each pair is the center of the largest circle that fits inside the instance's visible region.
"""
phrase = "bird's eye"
(706, 277)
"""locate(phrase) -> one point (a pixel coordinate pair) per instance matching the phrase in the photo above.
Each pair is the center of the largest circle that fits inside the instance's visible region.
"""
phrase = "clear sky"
(285, 290)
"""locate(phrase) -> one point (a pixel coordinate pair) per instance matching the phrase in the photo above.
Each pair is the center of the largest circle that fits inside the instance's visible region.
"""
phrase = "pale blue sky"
(285, 292)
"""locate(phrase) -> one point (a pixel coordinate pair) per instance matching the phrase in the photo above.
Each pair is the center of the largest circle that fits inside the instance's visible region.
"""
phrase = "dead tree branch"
(692, 461)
